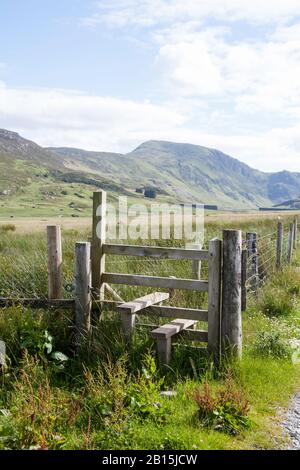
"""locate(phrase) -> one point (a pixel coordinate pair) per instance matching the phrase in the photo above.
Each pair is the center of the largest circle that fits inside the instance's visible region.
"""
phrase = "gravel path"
(291, 423)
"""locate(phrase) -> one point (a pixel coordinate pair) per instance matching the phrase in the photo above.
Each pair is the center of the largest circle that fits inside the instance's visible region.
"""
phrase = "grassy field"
(110, 397)
(25, 222)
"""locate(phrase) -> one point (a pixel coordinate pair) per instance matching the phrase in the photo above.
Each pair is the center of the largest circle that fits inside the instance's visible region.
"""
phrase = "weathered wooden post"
(54, 262)
(83, 299)
(244, 279)
(290, 244)
(295, 233)
(214, 298)
(98, 239)
(253, 256)
(231, 326)
(279, 244)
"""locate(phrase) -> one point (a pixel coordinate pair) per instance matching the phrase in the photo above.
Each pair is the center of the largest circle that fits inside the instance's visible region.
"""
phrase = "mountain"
(36, 181)
(190, 173)
(45, 180)
(293, 204)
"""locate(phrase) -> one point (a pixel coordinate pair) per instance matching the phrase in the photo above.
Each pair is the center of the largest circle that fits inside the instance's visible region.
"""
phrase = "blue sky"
(107, 75)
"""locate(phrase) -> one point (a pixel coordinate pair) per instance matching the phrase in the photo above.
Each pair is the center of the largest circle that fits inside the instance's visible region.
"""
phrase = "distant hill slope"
(36, 181)
(13, 146)
(291, 204)
(179, 172)
(189, 173)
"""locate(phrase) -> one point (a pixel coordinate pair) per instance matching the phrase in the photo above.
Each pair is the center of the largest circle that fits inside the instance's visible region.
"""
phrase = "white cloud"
(251, 76)
(191, 68)
(119, 13)
(196, 59)
(239, 94)
(70, 118)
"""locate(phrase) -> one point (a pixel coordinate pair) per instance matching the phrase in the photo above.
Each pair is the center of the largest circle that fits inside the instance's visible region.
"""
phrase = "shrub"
(104, 396)
(276, 302)
(38, 412)
(271, 344)
(225, 410)
(8, 436)
(7, 228)
(26, 332)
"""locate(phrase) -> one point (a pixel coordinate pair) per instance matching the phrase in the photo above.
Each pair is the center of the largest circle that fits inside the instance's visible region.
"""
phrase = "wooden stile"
(163, 337)
(172, 328)
(141, 303)
(129, 309)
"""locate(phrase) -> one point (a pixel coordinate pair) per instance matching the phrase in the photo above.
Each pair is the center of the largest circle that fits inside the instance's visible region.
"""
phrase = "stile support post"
(83, 299)
(214, 298)
(231, 326)
(54, 262)
(98, 239)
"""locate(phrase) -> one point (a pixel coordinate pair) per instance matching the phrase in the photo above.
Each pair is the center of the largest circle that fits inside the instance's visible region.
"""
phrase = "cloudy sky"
(110, 74)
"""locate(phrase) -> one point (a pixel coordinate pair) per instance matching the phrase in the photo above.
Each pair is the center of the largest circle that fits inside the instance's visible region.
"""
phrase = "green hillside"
(293, 204)
(188, 172)
(39, 181)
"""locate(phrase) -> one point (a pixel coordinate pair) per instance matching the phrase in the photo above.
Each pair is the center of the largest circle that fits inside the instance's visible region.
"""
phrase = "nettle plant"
(144, 397)
(41, 343)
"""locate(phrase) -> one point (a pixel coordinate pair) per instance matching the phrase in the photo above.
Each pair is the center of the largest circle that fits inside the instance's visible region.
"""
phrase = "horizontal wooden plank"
(141, 303)
(177, 312)
(195, 335)
(190, 335)
(172, 328)
(38, 303)
(155, 252)
(153, 281)
(161, 311)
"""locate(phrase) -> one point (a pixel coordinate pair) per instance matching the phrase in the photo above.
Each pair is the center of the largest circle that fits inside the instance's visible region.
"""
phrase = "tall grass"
(108, 396)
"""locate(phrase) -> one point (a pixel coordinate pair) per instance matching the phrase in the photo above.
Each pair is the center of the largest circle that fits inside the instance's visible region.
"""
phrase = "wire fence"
(263, 254)
(23, 263)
